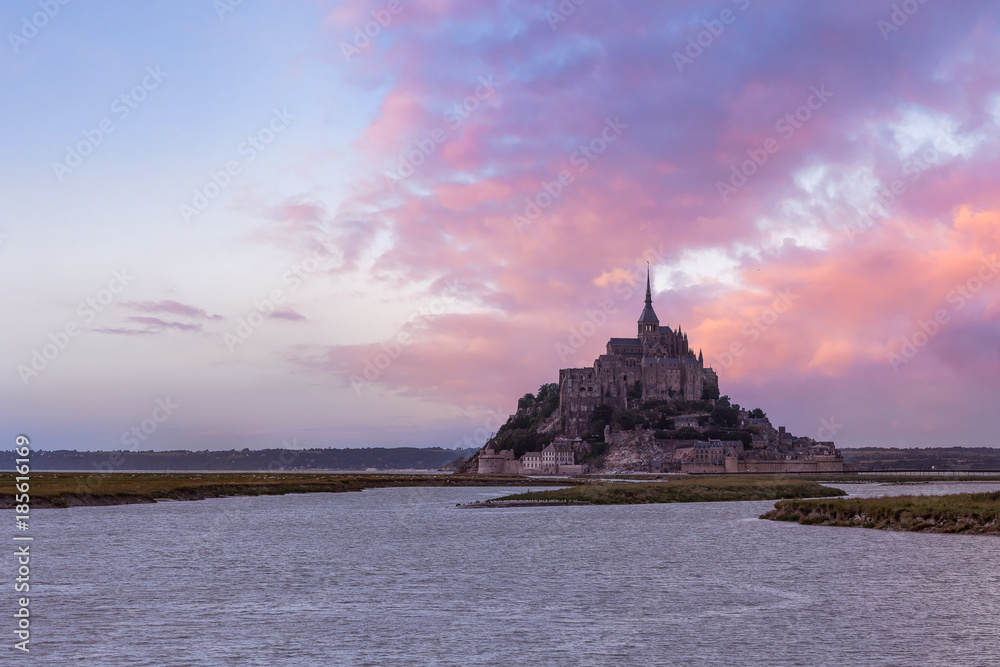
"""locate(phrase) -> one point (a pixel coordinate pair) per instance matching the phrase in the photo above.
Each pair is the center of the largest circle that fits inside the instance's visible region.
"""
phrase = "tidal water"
(403, 577)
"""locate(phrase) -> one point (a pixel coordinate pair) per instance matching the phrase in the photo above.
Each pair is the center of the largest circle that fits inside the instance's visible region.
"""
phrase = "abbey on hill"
(658, 364)
(647, 404)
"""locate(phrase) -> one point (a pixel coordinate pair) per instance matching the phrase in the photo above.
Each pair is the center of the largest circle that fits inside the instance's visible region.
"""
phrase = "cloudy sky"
(379, 223)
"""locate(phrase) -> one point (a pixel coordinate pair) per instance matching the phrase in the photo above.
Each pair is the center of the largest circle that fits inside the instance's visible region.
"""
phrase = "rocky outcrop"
(638, 451)
(631, 451)
(552, 425)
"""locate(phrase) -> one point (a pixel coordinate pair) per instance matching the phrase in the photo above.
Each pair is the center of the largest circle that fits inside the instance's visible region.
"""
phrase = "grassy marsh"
(81, 488)
(685, 490)
(955, 513)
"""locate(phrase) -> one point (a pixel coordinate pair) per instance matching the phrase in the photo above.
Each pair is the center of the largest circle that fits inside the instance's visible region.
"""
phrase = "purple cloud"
(170, 307)
(288, 314)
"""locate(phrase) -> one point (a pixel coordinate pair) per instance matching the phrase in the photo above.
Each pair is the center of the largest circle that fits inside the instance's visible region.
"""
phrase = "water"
(401, 576)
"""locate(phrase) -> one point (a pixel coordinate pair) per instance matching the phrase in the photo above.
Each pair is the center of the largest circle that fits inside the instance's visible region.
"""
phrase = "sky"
(229, 224)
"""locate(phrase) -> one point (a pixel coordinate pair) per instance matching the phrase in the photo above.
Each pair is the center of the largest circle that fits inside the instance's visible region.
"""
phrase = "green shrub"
(596, 449)
(602, 416)
(627, 420)
(725, 416)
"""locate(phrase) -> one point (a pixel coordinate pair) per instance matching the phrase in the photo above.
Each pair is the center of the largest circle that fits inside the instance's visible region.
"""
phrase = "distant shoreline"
(326, 459)
(262, 471)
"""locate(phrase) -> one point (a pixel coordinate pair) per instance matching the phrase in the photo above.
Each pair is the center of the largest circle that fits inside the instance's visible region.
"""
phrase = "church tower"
(649, 324)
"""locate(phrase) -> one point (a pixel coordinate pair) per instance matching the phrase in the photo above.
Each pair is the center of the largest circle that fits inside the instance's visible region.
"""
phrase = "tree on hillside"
(521, 420)
(602, 416)
(664, 422)
(726, 434)
(725, 416)
(627, 420)
(635, 391)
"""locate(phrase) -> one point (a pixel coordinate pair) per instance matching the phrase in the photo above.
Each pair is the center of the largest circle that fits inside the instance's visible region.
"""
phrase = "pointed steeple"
(649, 294)
(701, 359)
(649, 323)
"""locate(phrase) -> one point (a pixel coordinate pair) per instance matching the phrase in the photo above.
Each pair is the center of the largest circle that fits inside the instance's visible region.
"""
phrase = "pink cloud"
(656, 184)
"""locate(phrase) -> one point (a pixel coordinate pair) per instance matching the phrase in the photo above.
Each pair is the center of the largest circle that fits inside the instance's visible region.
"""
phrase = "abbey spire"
(649, 323)
(656, 365)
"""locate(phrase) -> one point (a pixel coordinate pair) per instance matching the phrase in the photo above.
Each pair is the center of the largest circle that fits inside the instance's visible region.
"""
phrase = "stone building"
(498, 463)
(715, 451)
(558, 454)
(531, 462)
(731, 457)
(558, 458)
(657, 364)
(686, 422)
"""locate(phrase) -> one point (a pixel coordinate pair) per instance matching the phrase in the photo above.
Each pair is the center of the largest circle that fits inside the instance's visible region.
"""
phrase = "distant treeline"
(937, 458)
(379, 458)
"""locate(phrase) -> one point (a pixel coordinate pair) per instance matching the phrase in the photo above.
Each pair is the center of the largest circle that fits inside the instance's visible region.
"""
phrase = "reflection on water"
(401, 576)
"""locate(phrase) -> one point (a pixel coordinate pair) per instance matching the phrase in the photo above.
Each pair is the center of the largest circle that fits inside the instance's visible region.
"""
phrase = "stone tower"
(649, 323)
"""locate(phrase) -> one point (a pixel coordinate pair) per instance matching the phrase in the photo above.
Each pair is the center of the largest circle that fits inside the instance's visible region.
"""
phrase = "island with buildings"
(647, 404)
